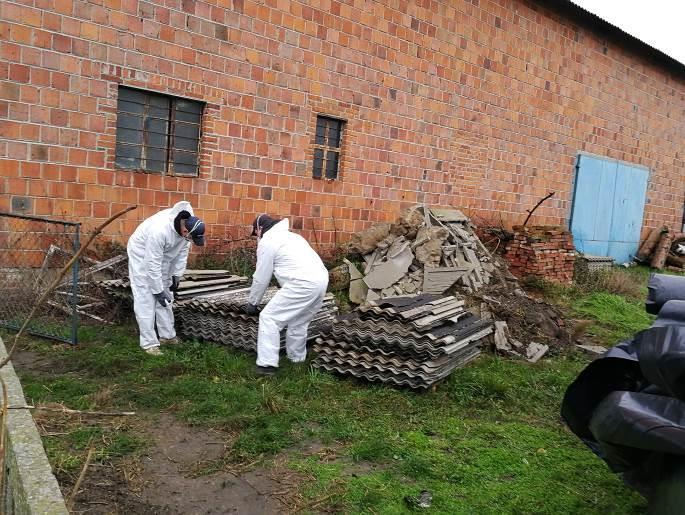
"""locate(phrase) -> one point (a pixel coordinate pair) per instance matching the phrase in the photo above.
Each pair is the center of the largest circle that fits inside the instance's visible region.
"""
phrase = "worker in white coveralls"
(157, 255)
(303, 280)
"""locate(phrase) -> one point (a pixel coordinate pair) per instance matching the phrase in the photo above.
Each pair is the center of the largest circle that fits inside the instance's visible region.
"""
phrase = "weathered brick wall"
(480, 105)
(541, 251)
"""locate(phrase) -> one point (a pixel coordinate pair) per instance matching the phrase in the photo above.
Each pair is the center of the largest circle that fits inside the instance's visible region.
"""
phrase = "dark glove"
(163, 298)
(251, 309)
(175, 281)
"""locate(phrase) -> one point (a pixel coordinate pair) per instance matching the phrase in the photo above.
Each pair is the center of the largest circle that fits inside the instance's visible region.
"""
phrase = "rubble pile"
(424, 251)
(525, 327)
(86, 298)
(411, 340)
(193, 283)
(219, 317)
(541, 251)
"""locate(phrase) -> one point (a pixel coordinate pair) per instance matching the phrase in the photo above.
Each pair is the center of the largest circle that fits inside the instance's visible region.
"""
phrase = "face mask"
(189, 235)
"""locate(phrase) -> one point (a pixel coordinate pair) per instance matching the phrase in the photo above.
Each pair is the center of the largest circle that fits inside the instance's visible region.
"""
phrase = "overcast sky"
(658, 23)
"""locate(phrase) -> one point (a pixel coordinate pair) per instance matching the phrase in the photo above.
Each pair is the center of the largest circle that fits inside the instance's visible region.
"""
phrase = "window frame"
(322, 147)
(153, 111)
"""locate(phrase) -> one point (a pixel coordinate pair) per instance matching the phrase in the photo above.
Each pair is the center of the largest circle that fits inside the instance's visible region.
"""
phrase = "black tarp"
(628, 405)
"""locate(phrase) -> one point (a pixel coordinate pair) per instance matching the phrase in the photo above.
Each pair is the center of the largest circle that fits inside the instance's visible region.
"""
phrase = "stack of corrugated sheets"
(220, 318)
(193, 283)
(414, 341)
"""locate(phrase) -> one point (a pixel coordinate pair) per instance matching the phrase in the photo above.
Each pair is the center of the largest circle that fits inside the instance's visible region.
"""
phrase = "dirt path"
(167, 478)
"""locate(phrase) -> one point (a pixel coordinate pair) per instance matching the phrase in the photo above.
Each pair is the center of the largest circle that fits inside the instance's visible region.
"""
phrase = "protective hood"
(264, 223)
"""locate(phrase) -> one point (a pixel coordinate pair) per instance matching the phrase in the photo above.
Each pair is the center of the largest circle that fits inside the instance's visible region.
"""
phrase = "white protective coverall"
(156, 252)
(303, 279)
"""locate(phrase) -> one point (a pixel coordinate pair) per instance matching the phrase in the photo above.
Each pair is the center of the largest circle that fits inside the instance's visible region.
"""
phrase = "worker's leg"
(144, 308)
(286, 306)
(296, 334)
(164, 316)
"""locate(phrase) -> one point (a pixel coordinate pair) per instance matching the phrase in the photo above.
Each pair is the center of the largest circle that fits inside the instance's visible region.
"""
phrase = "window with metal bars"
(327, 143)
(157, 133)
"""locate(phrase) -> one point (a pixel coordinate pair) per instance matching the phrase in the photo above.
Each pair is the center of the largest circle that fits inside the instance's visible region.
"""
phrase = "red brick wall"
(480, 105)
(541, 251)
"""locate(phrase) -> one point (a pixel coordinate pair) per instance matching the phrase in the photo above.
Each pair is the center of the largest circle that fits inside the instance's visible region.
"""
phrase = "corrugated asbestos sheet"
(193, 283)
(219, 317)
(413, 341)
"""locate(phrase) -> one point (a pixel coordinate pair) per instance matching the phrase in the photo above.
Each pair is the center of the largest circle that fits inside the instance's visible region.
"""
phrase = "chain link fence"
(32, 252)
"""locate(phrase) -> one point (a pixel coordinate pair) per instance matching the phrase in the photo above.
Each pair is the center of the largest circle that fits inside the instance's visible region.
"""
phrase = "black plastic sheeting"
(662, 288)
(628, 405)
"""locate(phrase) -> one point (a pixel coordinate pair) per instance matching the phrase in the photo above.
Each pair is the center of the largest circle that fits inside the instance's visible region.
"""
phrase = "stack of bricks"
(541, 251)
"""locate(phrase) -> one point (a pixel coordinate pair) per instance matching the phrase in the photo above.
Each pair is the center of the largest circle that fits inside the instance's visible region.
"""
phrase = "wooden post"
(650, 242)
(662, 250)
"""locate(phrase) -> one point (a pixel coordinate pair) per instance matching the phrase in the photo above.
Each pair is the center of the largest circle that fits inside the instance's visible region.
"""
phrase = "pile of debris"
(425, 251)
(193, 283)
(81, 294)
(525, 327)
(219, 317)
(663, 249)
(412, 340)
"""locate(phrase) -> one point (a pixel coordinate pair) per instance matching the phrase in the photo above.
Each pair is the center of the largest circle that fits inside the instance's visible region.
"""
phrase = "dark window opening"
(327, 143)
(157, 133)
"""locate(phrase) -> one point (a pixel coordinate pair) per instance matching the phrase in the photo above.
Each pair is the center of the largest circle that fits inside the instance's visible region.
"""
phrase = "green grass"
(613, 301)
(489, 440)
(615, 318)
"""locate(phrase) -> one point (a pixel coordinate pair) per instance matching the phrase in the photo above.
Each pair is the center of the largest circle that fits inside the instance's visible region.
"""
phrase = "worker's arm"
(262, 275)
(154, 254)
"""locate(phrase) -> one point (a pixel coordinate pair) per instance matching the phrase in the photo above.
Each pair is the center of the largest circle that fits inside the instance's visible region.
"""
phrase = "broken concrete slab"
(501, 340)
(366, 241)
(595, 350)
(535, 351)
(372, 295)
(449, 215)
(485, 313)
(408, 223)
(430, 252)
(389, 272)
(358, 288)
(439, 280)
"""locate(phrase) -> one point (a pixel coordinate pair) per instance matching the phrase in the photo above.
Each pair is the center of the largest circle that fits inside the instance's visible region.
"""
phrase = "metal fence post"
(74, 288)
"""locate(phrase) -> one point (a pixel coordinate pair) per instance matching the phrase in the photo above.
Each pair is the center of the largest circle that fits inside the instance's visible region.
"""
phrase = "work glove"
(163, 298)
(251, 309)
(175, 281)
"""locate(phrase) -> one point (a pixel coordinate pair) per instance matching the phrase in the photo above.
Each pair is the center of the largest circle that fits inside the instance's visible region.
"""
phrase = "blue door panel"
(594, 248)
(603, 209)
(631, 188)
(608, 206)
(620, 251)
(587, 195)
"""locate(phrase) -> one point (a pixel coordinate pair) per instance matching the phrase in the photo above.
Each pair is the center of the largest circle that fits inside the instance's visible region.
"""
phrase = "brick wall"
(480, 105)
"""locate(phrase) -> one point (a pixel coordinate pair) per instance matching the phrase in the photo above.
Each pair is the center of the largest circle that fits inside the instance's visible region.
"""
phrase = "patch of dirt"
(332, 453)
(169, 473)
(174, 475)
(167, 478)
(36, 363)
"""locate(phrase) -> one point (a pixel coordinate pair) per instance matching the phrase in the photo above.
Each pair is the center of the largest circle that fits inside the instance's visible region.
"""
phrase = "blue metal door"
(608, 205)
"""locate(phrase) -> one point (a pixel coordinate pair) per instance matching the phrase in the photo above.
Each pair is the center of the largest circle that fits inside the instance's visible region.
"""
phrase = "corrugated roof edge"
(584, 17)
